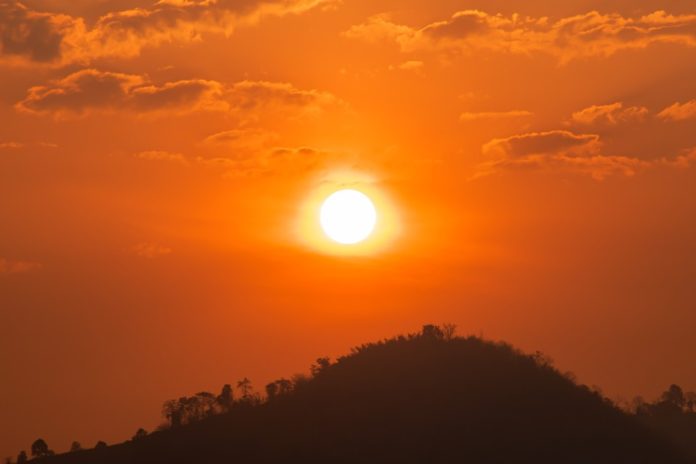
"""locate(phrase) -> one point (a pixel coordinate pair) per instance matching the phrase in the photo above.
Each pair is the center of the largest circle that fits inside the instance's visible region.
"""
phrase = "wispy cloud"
(8, 266)
(679, 111)
(150, 250)
(590, 34)
(475, 116)
(611, 114)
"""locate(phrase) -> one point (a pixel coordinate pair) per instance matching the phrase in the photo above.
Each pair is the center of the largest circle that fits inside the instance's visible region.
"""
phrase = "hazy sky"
(533, 163)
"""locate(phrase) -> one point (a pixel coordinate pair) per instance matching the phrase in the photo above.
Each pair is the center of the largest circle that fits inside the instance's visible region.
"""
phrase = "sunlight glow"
(348, 216)
(348, 213)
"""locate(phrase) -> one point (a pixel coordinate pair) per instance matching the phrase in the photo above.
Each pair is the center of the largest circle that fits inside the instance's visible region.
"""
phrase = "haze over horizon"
(532, 165)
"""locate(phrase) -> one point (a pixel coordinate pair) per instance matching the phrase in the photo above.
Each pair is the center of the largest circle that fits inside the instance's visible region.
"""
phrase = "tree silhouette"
(672, 415)
(139, 434)
(320, 365)
(449, 331)
(40, 449)
(271, 390)
(433, 332)
(22, 457)
(284, 386)
(278, 387)
(244, 386)
(423, 397)
(199, 406)
(674, 396)
(226, 398)
(76, 446)
(100, 445)
(690, 401)
(172, 411)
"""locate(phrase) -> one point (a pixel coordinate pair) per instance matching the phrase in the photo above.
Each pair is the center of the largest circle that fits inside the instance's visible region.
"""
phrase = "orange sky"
(536, 159)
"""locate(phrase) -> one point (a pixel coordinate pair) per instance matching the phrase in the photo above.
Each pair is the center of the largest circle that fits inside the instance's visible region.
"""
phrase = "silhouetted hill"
(425, 398)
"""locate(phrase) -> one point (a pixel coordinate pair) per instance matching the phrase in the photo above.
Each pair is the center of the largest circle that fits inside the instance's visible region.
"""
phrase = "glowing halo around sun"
(348, 216)
(347, 213)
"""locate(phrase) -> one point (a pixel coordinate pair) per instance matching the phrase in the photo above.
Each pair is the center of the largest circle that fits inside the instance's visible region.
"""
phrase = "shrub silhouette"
(421, 398)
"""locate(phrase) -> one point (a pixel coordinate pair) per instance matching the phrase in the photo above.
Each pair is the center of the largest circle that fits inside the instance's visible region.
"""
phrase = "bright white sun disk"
(348, 216)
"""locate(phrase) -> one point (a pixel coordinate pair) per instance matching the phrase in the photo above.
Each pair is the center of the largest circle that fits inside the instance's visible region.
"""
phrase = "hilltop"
(422, 398)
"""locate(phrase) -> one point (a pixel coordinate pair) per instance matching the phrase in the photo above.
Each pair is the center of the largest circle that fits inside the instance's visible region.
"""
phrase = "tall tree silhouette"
(22, 457)
(76, 446)
(226, 398)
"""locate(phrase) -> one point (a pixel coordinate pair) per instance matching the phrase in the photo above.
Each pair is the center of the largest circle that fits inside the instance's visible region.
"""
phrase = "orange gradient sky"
(533, 163)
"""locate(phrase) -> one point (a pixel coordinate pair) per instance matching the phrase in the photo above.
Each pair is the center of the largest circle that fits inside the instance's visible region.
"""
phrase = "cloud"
(17, 267)
(543, 143)
(250, 96)
(37, 37)
(91, 90)
(679, 111)
(34, 36)
(611, 114)
(468, 116)
(556, 150)
(410, 65)
(10, 145)
(684, 160)
(161, 155)
(241, 140)
(585, 35)
(565, 151)
(267, 162)
(150, 250)
(380, 28)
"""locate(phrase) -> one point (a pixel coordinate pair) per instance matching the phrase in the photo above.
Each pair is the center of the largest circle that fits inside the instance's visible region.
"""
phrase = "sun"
(348, 216)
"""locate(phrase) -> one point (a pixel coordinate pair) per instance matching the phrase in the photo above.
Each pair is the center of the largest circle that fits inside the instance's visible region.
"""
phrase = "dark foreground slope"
(418, 399)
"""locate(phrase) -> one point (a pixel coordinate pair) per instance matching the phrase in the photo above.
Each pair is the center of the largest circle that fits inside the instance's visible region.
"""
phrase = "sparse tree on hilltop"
(22, 457)
(39, 449)
(76, 446)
